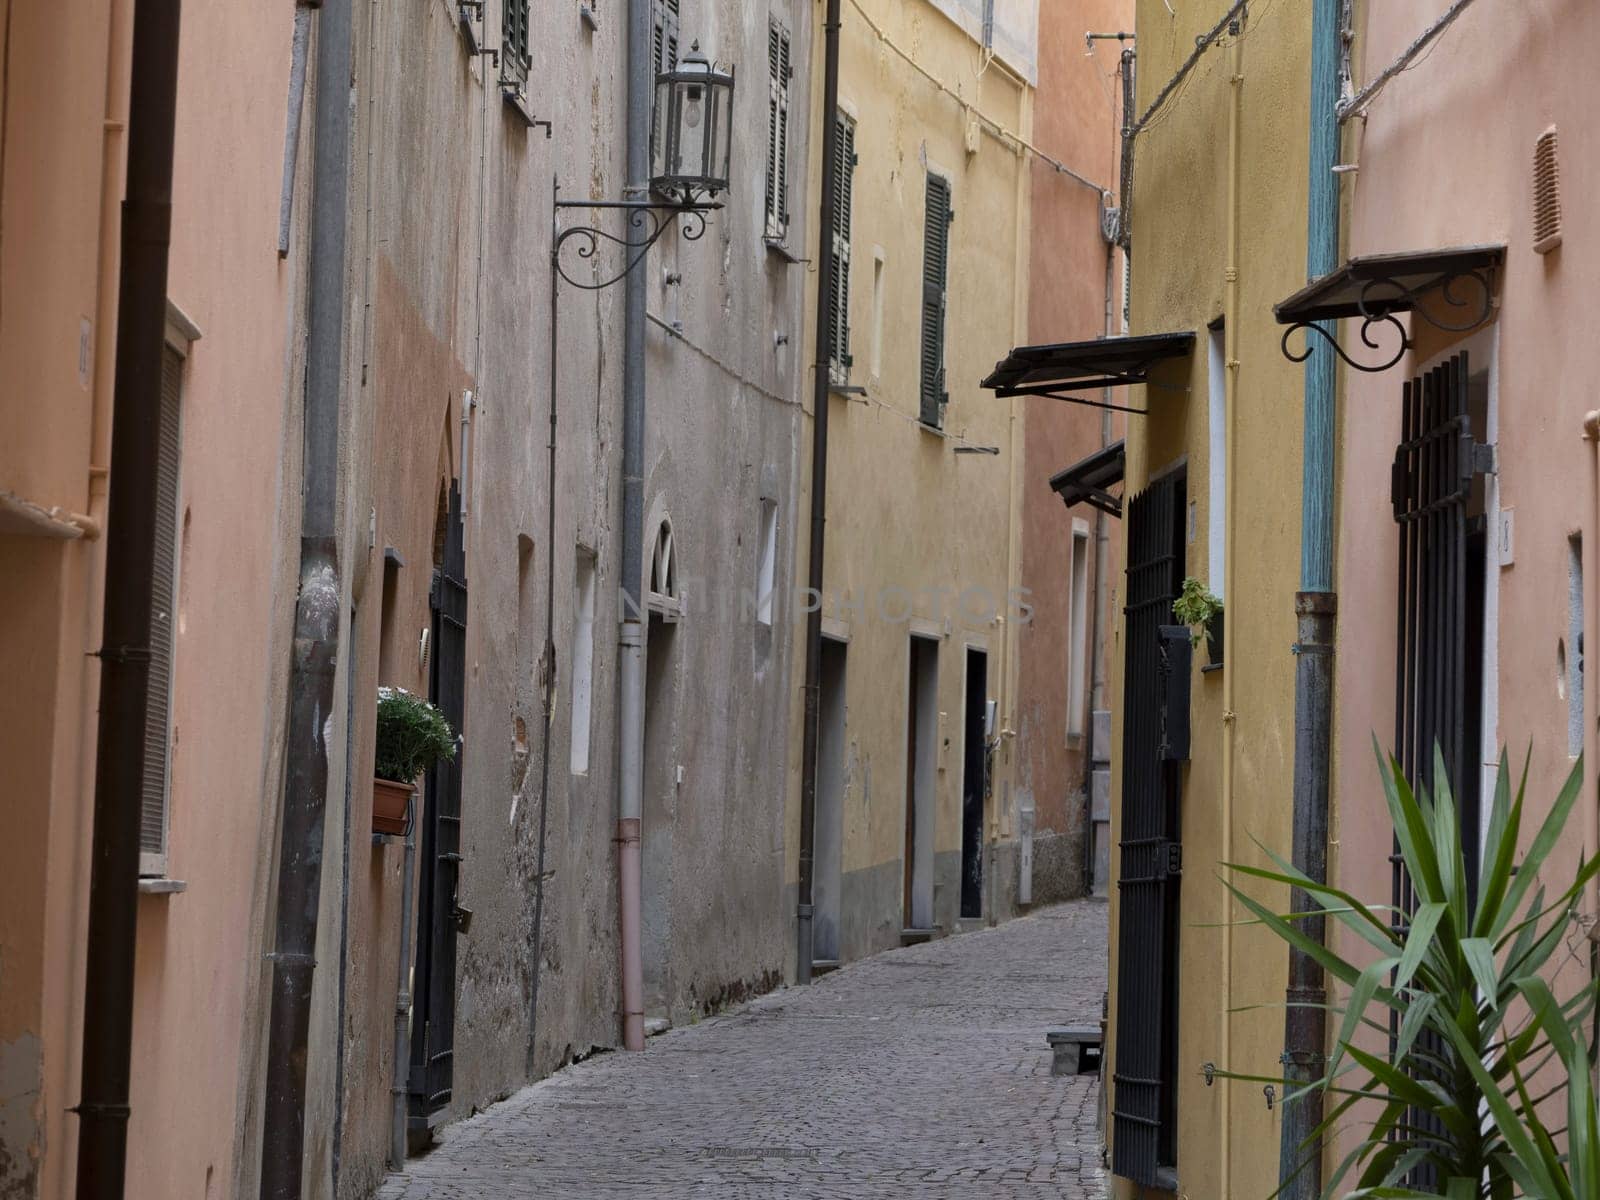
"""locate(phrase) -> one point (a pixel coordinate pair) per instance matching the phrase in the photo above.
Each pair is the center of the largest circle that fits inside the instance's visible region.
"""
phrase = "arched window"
(662, 596)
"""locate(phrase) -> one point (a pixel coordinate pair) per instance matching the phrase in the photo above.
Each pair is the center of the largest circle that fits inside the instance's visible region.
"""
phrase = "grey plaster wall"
(450, 277)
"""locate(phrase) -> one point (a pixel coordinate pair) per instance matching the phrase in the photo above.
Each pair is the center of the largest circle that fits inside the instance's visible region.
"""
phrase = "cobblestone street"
(922, 1072)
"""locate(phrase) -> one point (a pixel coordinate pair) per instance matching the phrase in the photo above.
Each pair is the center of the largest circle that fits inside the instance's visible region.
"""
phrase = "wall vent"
(1546, 193)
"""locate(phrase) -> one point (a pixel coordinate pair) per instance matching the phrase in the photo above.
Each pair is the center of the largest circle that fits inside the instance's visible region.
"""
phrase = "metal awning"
(1451, 289)
(1085, 366)
(1087, 481)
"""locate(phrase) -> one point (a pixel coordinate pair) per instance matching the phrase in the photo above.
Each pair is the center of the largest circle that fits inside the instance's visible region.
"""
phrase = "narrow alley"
(918, 1072)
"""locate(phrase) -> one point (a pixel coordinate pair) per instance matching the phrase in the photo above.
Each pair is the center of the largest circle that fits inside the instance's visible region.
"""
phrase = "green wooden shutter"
(515, 38)
(935, 278)
(777, 182)
(844, 195)
(163, 594)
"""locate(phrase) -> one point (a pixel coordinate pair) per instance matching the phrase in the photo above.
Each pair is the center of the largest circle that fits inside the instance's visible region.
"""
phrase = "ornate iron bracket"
(1382, 299)
(646, 222)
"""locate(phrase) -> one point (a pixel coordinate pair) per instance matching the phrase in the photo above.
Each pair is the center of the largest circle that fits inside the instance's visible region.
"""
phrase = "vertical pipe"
(549, 650)
(1316, 606)
(316, 626)
(402, 997)
(819, 494)
(125, 655)
(1230, 376)
(630, 669)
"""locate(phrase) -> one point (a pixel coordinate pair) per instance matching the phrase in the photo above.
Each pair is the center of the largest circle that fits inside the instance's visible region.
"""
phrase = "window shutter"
(777, 194)
(935, 273)
(163, 591)
(664, 49)
(844, 195)
(515, 38)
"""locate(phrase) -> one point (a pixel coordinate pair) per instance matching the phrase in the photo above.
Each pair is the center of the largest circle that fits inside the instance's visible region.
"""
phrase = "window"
(935, 276)
(767, 566)
(839, 301)
(664, 49)
(779, 73)
(1078, 629)
(1217, 473)
(514, 49)
(583, 663)
(156, 787)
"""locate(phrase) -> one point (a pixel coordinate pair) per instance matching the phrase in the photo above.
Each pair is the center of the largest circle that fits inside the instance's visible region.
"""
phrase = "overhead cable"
(1358, 103)
(1201, 45)
(999, 130)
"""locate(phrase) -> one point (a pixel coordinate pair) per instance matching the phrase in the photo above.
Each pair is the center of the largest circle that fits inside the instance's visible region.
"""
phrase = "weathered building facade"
(1069, 558)
(915, 829)
(1212, 493)
(455, 546)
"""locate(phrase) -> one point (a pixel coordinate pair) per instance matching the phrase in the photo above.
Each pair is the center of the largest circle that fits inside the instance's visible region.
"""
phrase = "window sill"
(850, 391)
(162, 887)
(778, 248)
(937, 431)
(517, 101)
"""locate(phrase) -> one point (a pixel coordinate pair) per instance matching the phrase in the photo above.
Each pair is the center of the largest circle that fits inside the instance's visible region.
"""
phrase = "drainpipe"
(819, 497)
(1230, 376)
(402, 998)
(316, 626)
(630, 790)
(1316, 605)
(130, 553)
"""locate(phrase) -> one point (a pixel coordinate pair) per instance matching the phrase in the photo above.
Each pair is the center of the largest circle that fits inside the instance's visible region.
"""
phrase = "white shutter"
(777, 181)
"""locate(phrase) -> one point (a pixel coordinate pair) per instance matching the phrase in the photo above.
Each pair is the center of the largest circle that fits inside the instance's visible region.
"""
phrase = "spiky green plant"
(1483, 1045)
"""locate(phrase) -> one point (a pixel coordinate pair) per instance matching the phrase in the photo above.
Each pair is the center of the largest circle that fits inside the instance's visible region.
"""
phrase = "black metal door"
(1144, 1111)
(438, 916)
(1439, 612)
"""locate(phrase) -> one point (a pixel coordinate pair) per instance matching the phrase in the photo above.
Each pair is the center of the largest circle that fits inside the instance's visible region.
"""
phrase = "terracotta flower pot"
(391, 806)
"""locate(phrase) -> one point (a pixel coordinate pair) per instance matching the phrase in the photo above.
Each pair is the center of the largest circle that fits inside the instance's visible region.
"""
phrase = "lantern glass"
(692, 130)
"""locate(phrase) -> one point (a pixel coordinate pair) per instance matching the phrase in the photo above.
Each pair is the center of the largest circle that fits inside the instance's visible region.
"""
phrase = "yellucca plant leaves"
(1462, 997)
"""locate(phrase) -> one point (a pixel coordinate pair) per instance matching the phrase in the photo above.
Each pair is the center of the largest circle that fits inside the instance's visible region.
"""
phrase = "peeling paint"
(21, 1118)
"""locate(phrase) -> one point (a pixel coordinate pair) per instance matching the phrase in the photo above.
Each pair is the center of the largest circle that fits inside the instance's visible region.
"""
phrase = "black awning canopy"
(1084, 366)
(1377, 285)
(1088, 481)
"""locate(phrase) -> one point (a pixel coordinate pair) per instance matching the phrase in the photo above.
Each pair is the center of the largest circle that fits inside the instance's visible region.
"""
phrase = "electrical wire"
(1358, 103)
(1201, 46)
(998, 130)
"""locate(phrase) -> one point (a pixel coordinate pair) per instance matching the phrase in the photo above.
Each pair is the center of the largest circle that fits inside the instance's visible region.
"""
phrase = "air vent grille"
(1546, 193)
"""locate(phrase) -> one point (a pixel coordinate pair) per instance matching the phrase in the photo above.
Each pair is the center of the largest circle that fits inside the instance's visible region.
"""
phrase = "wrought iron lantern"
(693, 130)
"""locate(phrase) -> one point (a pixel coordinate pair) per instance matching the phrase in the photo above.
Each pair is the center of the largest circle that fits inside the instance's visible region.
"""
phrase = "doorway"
(974, 781)
(829, 879)
(659, 810)
(922, 762)
(439, 916)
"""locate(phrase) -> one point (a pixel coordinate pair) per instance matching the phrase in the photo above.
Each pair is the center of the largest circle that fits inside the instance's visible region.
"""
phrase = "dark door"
(438, 916)
(974, 784)
(1438, 498)
(1144, 1116)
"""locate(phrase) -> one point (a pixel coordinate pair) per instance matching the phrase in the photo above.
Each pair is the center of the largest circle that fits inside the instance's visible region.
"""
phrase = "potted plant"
(1202, 613)
(412, 736)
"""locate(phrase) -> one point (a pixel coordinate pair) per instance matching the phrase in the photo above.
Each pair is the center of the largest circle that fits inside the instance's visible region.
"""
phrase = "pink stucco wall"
(1446, 159)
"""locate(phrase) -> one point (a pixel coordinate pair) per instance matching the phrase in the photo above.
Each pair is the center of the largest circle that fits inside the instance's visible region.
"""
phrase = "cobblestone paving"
(922, 1072)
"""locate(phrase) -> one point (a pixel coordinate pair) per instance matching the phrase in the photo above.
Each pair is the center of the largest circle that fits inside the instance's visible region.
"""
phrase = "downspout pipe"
(125, 633)
(1230, 461)
(819, 499)
(1316, 607)
(630, 668)
(315, 652)
(402, 998)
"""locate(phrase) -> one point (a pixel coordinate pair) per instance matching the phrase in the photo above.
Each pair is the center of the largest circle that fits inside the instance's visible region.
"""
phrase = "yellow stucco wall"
(911, 522)
(1179, 258)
